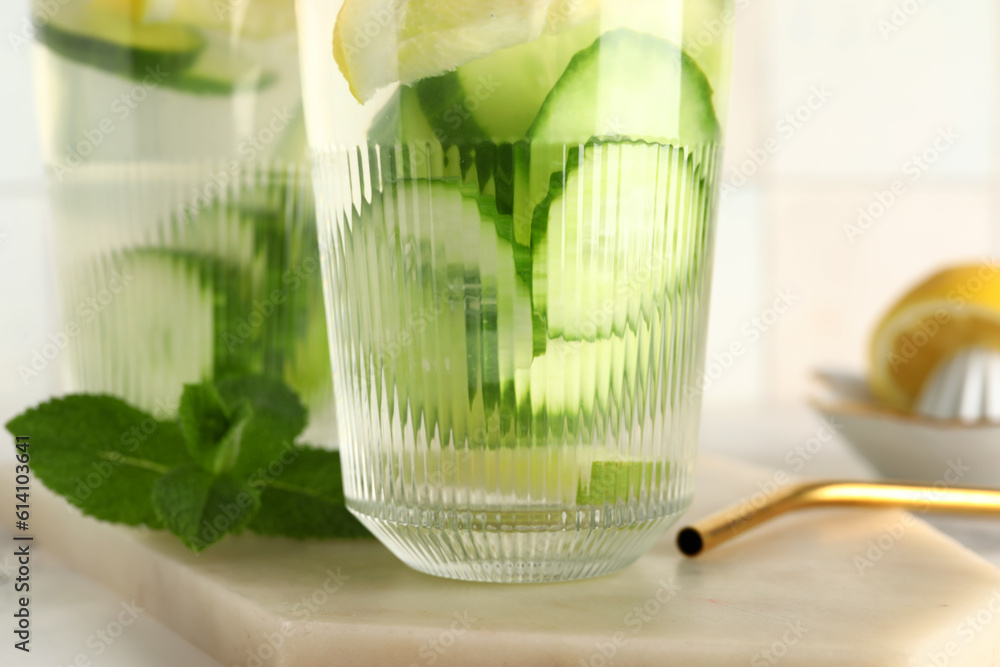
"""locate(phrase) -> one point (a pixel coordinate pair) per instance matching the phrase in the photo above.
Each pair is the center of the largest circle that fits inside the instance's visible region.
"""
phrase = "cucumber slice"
(134, 343)
(221, 230)
(626, 86)
(629, 85)
(503, 92)
(179, 56)
(574, 384)
(402, 126)
(111, 42)
(619, 230)
(583, 476)
(219, 70)
(261, 257)
(446, 316)
(619, 480)
(213, 299)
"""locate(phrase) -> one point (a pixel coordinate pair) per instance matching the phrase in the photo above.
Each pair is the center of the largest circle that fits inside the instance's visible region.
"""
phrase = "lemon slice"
(378, 42)
(954, 309)
(256, 19)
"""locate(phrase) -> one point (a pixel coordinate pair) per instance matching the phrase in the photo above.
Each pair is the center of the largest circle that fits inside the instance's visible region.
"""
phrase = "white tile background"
(781, 230)
(891, 93)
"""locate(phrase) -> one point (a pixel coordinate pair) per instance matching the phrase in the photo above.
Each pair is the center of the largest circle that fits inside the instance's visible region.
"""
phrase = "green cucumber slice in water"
(111, 42)
(503, 92)
(218, 70)
(493, 99)
(626, 86)
(619, 480)
(629, 85)
(618, 230)
(213, 298)
(259, 254)
(421, 250)
(583, 476)
(220, 230)
(137, 341)
(573, 384)
(175, 55)
(402, 126)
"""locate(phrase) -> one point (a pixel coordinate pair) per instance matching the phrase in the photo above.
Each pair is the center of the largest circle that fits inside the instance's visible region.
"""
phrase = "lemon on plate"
(954, 309)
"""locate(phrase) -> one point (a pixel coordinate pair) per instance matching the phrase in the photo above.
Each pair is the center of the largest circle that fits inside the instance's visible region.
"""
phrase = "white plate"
(911, 447)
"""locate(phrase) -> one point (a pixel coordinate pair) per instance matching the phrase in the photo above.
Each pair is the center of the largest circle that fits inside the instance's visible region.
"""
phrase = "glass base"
(528, 555)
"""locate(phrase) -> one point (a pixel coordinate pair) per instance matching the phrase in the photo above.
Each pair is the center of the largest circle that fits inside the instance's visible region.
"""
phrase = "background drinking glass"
(184, 219)
(516, 211)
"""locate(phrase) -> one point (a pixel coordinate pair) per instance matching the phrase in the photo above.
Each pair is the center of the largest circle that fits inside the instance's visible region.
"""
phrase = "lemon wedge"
(956, 308)
(379, 42)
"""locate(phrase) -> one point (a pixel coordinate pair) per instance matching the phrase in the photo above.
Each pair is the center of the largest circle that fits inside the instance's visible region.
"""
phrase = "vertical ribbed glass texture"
(183, 214)
(516, 204)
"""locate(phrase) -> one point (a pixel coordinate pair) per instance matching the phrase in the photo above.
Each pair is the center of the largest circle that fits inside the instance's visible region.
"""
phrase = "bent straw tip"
(690, 542)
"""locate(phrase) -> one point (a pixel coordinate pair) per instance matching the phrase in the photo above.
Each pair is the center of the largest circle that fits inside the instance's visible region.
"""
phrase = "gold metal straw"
(727, 524)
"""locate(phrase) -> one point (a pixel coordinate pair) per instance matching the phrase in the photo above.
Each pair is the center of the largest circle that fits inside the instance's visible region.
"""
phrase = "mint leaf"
(306, 499)
(201, 507)
(101, 454)
(227, 464)
(276, 417)
(212, 434)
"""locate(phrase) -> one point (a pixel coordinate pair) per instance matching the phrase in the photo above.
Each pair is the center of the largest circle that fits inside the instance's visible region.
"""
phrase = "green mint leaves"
(227, 464)
(200, 507)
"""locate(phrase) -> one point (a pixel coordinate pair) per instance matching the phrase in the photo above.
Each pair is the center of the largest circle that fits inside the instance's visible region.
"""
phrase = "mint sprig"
(307, 500)
(228, 463)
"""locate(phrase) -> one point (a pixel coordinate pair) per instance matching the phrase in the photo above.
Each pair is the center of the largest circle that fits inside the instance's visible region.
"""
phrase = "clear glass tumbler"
(184, 220)
(516, 204)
